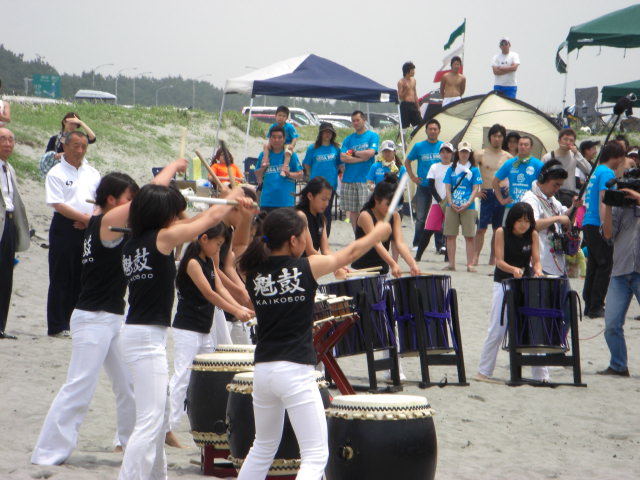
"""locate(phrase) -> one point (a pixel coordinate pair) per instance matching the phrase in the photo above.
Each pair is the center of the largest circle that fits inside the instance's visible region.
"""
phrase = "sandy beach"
(485, 431)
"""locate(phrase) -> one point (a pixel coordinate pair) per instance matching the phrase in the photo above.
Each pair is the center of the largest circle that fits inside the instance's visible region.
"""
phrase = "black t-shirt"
(194, 311)
(371, 258)
(316, 227)
(103, 281)
(150, 275)
(517, 253)
(283, 291)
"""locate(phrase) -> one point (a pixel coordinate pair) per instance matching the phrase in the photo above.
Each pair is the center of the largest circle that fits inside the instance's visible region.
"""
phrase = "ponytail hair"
(114, 184)
(384, 190)
(278, 227)
(193, 250)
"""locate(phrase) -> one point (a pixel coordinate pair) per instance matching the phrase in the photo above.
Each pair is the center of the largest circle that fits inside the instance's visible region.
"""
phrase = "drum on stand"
(432, 296)
(241, 427)
(380, 437)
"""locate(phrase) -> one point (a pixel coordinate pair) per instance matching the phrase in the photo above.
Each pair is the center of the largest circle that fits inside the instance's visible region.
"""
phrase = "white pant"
(447, 100)
(494, 338)
(186, 345)
(240, 334)
(95, 338)
(145, 352)
(285, 385)
(220, 331)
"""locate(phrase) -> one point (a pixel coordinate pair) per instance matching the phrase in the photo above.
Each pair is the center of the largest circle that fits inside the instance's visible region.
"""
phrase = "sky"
(219, 39)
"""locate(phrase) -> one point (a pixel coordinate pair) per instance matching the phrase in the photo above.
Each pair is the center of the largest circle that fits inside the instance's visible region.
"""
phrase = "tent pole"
(219, 121)
(246, 137)
(404, 157)
(564, 96)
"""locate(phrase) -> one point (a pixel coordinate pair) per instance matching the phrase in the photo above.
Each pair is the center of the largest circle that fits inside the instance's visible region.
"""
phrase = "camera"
(567, 243)
(615, 198)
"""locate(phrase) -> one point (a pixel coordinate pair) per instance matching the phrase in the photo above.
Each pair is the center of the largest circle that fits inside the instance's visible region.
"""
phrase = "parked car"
(338, 121)
(377, 120)
(297, 116)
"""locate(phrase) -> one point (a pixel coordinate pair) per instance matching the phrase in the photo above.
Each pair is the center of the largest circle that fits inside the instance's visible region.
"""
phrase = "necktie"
(9, 187)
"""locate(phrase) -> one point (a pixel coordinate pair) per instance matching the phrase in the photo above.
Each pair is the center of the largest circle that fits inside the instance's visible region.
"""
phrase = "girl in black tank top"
(282, 287)
(148, 261)
(314, 199)
(96, 321)
(373, 211)
(517, 251)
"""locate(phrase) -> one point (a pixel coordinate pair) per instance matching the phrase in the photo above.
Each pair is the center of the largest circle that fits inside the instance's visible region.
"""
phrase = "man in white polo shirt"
(68, 186)
(504, 66)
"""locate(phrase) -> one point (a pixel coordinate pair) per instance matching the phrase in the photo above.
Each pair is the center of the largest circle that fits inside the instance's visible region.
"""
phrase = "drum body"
(236, 348)
(369, 301)
(538, 309)
(241, 429)
(207, 395)
(423, 298)
(381, 437)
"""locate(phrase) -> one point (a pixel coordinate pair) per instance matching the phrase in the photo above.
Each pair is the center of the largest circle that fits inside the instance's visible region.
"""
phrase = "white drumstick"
(402, 184)
(213, 201)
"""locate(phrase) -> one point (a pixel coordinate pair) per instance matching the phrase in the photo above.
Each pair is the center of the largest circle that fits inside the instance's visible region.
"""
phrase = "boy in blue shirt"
(600, 259)
(290, 137)
(521, 172)
(277, 189)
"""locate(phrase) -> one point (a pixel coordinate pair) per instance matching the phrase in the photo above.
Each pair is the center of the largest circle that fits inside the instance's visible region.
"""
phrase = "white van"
(297, 116)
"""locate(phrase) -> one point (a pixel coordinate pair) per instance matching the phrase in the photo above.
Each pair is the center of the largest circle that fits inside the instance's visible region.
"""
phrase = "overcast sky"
(226, 38)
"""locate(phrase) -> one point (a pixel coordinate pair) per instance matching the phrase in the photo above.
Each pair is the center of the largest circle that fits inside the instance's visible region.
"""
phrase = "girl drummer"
(372, 212)
(282, 287)
(517, 252)
(149, 266)
(314, 199)
(200, 290)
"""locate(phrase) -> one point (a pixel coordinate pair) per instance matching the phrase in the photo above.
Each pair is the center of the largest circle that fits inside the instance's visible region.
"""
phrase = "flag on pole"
(458, 51)
(455, 34)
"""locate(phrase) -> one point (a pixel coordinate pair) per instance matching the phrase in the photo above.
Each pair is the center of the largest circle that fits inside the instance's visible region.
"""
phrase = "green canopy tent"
(619, 29)
(611, 93)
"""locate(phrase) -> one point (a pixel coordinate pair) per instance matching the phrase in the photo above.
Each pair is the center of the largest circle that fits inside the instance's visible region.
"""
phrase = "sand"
(484, 430)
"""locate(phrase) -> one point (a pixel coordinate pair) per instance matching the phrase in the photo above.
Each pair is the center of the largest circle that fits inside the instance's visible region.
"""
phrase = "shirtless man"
(489, 160)
(453, 83)
(628, 161)
(409, 107)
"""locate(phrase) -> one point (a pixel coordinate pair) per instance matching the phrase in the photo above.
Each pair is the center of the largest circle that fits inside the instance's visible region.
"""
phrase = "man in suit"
(14, 227)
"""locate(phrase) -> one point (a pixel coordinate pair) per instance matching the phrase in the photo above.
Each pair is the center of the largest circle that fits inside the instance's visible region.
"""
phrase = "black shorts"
(409, 114)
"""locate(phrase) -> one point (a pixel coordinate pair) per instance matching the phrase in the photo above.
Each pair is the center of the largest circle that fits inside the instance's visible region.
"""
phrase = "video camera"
(615, 198)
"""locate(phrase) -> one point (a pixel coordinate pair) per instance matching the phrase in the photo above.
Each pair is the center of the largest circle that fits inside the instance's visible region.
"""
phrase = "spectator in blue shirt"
(389, 163)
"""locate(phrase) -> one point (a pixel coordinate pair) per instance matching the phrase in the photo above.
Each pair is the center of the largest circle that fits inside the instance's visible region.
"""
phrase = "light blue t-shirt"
(324, 162)
(520, 178)
(601, 175)
(289, 132)
(463, 191)
(427, 154)
(377, 172)
(277, 191)
(357, 172)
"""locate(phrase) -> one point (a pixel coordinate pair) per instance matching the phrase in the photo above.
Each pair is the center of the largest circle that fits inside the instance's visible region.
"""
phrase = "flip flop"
(448, 268)
(484, 379)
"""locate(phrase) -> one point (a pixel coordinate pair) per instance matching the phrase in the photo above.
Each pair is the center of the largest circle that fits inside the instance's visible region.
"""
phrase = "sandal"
(471, 268)
(449, 268)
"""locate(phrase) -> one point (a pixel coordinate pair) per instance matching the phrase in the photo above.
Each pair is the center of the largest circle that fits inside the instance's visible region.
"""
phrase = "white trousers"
(280, 386)
(220, 331)
(186, 345)
(145, 352)
(495, 333)
(95, 338)
(240, 333)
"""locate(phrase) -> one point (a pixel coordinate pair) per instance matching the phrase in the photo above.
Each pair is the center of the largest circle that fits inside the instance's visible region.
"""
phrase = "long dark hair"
(384, 190)
(456, 158)
(332, 142)
(519, 210)
(193, 250)
(154, 207)
(314, 187)
(278, 227)
(114, 184)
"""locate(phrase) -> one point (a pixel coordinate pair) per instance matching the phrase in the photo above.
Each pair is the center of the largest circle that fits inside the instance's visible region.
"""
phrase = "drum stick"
(402, 184)
(361, 274)
(214, 201)
(368, 269)
(215, 178)
(119, 229)
(227, 160)
(90, 200)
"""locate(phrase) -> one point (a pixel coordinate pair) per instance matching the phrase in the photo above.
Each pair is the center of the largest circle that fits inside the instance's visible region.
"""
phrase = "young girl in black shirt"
(149, 266)
(200, 290)
(314, 199)
(517, 251)
(282, 286)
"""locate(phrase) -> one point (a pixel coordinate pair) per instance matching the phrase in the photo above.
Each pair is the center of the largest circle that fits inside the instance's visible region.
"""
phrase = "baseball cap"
(447, 145)
(327, 126)
(505, 39)
(388, 145)
(587, 144)
(633, 151)
(464, 146)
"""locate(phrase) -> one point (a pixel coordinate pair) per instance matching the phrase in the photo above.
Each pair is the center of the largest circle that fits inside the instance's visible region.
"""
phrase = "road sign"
(47, 86)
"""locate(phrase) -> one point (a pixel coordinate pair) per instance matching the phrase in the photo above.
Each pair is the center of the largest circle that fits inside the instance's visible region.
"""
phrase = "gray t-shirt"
(569, 162)
(626, 241)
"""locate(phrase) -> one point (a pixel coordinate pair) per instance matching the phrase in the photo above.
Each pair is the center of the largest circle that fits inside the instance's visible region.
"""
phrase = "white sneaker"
(414, 249)
(62, 334)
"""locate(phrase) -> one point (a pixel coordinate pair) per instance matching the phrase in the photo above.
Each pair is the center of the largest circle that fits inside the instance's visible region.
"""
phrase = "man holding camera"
(621, 227)
(552, 218)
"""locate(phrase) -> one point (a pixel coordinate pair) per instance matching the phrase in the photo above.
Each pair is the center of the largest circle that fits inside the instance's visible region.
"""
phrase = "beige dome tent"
(470, 119)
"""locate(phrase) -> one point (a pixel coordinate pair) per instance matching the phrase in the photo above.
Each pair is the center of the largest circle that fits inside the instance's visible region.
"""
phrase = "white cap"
(388, 145)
